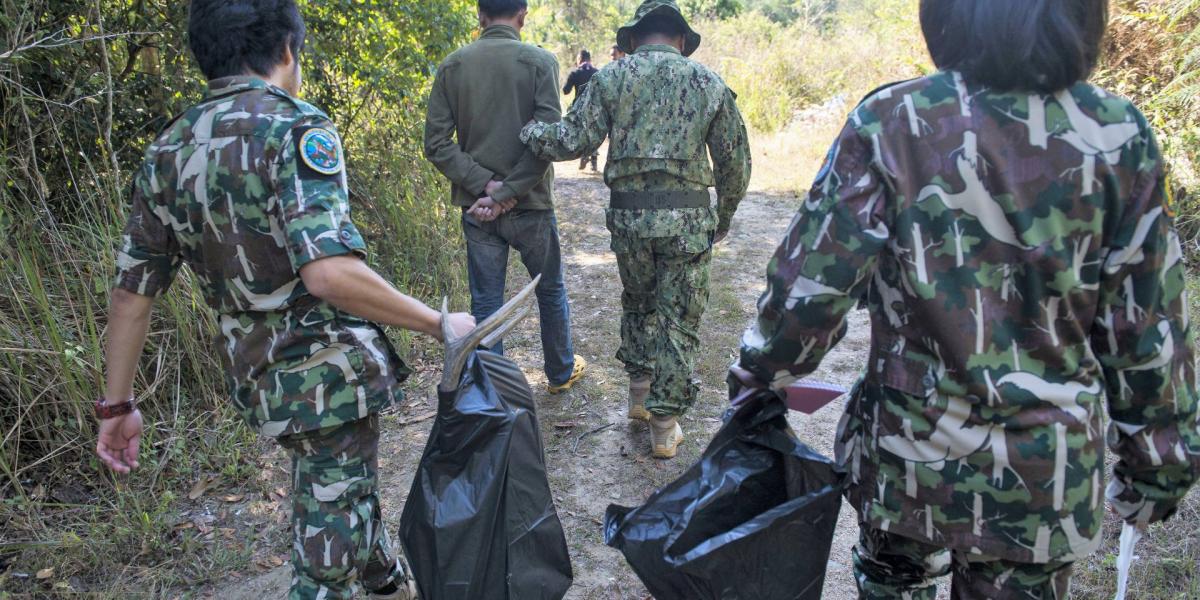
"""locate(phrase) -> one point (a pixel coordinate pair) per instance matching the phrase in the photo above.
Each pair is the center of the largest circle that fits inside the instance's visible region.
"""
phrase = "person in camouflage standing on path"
(1009, 229)
(248, 188)
(662, 113)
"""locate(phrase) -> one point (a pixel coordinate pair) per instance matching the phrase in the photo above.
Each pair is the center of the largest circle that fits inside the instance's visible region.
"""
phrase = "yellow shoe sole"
(577, 374)
(638, 413)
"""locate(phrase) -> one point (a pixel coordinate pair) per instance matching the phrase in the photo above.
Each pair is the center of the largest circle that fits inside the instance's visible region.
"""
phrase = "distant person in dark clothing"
(577, 81)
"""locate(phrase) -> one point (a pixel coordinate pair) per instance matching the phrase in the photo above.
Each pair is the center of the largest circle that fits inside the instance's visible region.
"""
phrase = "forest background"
(85, 84)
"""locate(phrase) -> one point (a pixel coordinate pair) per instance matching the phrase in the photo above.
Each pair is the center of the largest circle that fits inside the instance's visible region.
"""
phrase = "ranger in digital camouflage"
(1020, 270)
(663, 114)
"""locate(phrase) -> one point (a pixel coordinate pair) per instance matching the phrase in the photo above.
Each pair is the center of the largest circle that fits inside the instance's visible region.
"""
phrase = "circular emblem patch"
(319, 150)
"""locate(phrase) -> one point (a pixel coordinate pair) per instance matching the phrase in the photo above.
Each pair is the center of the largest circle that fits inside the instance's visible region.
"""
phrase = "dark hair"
(233, 37)
(585, 55)
(1025, 45)
(499, 9)
(659, 24)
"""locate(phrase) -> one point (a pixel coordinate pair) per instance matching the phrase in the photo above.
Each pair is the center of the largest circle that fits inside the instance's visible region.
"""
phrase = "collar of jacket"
(657, 48)
(501, 32)
(239, 83)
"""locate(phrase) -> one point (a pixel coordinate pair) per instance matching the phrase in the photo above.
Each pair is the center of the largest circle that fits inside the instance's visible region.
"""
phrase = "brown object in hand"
(810, 396)
(104, 410)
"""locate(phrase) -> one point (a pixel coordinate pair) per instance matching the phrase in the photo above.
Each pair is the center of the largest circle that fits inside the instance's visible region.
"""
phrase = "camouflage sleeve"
(1145, 344)
(530, 169)
(580, 132)
(149, 255)
(440, 147)
(314, 205)
(821, 268)
(730, 149)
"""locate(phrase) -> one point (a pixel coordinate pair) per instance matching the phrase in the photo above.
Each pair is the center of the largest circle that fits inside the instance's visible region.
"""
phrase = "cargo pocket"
(900, 373)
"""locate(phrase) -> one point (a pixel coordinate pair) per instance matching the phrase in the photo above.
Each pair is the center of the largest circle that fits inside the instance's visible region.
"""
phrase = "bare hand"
(460, 324)
(118, 441)
(485, 209)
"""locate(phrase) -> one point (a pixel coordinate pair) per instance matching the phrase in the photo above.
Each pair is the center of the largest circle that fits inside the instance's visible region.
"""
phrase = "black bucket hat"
(656, 7)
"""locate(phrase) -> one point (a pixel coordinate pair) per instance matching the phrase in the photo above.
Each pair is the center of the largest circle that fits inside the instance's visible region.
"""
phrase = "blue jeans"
(534, 234)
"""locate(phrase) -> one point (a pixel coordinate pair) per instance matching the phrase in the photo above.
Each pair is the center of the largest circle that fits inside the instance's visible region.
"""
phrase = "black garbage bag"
(479, 522)
(752, 520)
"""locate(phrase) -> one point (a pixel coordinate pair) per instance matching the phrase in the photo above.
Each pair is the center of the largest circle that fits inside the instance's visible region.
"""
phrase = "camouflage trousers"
(339, 542)
(665, 283)
(892, 567)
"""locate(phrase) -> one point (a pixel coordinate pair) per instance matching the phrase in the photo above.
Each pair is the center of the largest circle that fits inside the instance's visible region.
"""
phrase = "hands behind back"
(487, 210)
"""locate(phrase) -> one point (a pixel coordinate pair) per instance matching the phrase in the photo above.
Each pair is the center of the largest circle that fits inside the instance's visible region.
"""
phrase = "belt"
(661, 200)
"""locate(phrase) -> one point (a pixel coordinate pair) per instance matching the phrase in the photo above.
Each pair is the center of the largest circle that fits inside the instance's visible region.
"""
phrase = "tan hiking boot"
(665, 436)
(639, 390)
(581, 366)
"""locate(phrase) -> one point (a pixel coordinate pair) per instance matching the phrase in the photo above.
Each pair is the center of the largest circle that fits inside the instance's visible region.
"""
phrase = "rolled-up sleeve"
(149, 256)
(314, 208)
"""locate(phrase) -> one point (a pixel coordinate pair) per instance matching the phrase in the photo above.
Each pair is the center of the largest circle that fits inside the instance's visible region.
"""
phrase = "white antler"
(488, 333)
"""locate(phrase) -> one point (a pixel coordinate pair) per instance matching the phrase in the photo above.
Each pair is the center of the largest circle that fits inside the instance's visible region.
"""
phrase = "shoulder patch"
(319, 150)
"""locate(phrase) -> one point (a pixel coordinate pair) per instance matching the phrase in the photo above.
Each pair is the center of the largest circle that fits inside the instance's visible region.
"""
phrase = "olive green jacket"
(483, 94)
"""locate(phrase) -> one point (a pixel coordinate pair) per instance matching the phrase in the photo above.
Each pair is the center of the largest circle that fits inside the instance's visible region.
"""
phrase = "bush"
(778, 70)
(1153, 57)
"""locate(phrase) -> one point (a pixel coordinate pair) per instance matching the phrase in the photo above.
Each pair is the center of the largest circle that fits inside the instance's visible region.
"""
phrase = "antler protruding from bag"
(488, 333)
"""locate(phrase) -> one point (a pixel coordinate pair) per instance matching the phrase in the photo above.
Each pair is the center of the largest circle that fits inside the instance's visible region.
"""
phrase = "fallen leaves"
(201, 486)
(266, 563)
(46, 573)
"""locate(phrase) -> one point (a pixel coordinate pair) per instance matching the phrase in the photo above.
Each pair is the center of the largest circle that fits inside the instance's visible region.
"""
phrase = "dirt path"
(612, 466)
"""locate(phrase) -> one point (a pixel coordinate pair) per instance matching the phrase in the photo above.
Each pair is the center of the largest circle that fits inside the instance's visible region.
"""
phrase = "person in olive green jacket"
(483, 94)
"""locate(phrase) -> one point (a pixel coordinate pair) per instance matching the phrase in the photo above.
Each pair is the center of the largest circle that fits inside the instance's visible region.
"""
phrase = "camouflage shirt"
(663, 115)
(1018, 259)
(224, 190)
